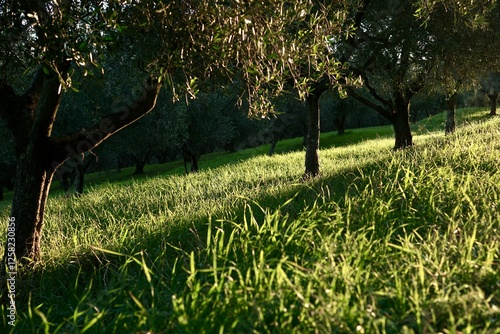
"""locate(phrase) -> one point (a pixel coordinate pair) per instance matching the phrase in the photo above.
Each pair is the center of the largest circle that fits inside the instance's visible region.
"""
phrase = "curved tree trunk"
(451, 105)
(313, 133)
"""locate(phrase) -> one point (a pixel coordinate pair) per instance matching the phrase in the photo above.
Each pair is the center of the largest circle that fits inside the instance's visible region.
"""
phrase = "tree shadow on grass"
(94, 272)
(88, 276)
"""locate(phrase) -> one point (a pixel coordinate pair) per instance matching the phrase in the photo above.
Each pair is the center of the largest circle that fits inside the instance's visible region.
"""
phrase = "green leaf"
(82, 46)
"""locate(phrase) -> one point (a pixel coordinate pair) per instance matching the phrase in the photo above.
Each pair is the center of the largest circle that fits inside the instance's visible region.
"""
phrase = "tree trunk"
(339, 123)
(400, 120)
(34, 171)
(451, 104)
(493, 104)
(79, 179)
(139, 167)
(141, 159)
(84, 162)
(30, 198)
(313, 133)
(189, 157)
(272, 148)
(194, 164)
(396, 111)
(31, 117)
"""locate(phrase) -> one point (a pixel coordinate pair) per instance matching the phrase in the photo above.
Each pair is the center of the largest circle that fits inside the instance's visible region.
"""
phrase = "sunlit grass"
(382, 242)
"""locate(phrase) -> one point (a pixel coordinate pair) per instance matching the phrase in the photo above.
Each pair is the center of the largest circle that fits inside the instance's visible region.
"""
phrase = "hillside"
(382, 242)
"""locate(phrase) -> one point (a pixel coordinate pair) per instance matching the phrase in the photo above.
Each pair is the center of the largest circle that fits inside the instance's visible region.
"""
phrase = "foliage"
(383, 242)
(425, 104)
(274, 44)
(475, 14)
(158, 132)
(458, 67)
(391, 53)
(210, 122)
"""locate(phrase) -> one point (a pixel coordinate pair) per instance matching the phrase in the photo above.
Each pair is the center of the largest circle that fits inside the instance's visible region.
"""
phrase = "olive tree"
(467, 50)
(43, 43)
(399, 47)
(490, 85)
(392, 53)
(282, 45)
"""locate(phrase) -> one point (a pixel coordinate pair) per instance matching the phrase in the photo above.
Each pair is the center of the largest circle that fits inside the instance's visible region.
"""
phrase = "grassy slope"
(382, 242)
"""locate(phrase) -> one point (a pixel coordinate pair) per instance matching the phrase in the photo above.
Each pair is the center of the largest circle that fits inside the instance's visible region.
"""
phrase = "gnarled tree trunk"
(34, 171)
(31, 117)
(28, 207)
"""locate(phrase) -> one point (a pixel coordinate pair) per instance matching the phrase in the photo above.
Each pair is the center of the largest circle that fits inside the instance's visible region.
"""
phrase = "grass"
(382, 242)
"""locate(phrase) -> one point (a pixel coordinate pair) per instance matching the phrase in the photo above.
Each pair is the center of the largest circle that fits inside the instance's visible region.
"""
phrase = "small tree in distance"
(460, 65)
(491, 87)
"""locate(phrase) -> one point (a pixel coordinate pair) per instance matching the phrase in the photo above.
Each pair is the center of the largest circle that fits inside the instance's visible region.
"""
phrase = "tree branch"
(64, 147)
(371, 90)
(378, 108)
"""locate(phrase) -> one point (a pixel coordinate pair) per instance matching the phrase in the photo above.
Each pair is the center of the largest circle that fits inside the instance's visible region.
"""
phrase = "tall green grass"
(382, 242)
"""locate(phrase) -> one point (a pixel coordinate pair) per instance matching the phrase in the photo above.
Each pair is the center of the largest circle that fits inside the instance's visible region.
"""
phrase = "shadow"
(92, 272)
